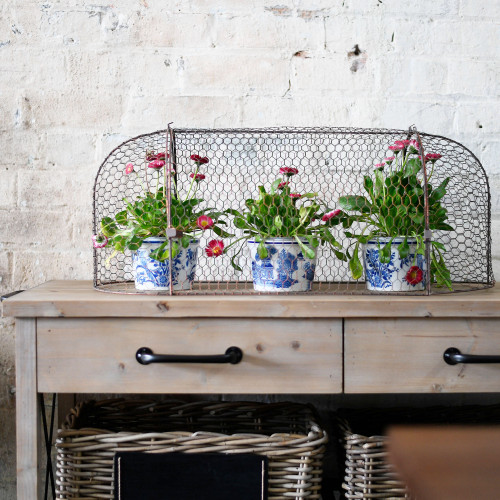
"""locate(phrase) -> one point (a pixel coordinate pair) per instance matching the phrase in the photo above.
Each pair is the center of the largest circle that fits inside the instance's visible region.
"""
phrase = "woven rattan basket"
(287, 433)
(367, 473)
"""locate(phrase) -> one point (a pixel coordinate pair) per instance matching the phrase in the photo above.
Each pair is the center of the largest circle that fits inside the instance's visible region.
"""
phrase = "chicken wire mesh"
(316, 210)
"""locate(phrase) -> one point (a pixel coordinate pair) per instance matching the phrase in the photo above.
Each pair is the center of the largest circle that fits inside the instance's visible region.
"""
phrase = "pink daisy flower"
(204, 222)
(99, 240)
(330, 215)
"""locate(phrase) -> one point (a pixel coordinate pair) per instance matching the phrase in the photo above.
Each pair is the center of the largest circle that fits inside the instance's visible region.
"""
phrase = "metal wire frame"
(331, 162)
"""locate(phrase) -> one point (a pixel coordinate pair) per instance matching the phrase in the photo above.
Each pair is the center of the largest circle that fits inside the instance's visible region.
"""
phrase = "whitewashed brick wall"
(78, 77)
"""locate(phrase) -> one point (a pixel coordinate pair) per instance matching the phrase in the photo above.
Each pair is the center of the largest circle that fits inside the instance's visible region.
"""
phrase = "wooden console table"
(71, 338)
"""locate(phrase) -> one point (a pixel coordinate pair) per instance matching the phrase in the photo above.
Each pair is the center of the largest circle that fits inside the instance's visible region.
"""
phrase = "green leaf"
(262, 250)
(121, 217)
(307, 251)
(355, 265)
(274, 186)
(379, 183)
(385, 253)
(340, 255)
(439, 192)
(108, 227)
(355, 203)
(233, 263)
(412, 167)
(404, 248)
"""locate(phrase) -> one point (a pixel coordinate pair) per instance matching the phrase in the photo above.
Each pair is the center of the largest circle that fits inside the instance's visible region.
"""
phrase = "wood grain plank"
(79, 299)
(280, 356)
(406, 355)
(27, 415)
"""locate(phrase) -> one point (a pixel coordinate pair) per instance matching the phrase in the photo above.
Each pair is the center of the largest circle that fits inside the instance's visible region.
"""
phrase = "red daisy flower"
(414, 275)
(289, 171)
(129, 168)
(199, 160)
(432, 157)
(156, 164)
(295, 196)
(199, 177)
(281, 185)
(215, 248)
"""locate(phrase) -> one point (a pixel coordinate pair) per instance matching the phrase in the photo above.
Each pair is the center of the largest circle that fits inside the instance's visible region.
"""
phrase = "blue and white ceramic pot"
(154, 275)
(285, 269)
(399, 275)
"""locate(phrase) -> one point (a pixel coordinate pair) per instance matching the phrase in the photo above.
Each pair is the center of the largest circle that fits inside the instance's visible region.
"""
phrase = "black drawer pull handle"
(453, 356)
(145, 356)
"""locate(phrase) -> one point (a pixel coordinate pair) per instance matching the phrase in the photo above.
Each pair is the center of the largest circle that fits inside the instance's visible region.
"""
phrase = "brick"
(430, 115)
(427, 8)
(69, 148)
(33, 268)
(217, 74)
(427, 76)
(336, 72)
(302, 110)
(73, 189)
(24, 67)
(264, 30)
(76, 109)
(37, 228)
(473, 8)
(474, 35)
(8, 187)
(183, 111)
(171, 28)
(495, 246)
(6, 261)
(473, 77)
(479, 117)
(371, 34)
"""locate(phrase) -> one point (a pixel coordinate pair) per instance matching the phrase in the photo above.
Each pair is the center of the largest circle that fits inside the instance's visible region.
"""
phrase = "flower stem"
(192, 182)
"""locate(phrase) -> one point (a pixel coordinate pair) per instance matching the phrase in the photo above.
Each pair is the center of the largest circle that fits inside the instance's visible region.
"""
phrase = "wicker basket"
(287, 433)
(367, 473)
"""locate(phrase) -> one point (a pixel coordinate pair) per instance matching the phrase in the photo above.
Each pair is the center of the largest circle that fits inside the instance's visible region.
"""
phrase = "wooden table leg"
(27, 414)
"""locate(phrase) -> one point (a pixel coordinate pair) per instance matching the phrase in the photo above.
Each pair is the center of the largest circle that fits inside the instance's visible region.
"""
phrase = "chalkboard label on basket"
(196, 476)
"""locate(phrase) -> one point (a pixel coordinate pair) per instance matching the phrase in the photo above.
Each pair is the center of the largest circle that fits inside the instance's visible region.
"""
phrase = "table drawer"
(279, 355)
(406, 355)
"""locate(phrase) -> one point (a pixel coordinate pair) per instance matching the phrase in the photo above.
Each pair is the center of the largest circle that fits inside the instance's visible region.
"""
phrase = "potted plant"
(390, 223)
(141, 226)
(282, 230)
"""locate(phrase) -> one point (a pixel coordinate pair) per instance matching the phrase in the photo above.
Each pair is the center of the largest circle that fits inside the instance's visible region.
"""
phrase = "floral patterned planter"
(285, 269)
(154, 275)
(399, 275)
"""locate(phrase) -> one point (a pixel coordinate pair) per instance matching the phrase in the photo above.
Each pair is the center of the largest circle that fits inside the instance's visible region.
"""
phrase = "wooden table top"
(448, 463)
(80, 299)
